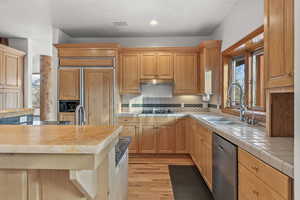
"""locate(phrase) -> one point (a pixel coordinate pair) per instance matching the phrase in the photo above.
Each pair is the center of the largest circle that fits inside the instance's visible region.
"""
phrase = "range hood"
(156, 81)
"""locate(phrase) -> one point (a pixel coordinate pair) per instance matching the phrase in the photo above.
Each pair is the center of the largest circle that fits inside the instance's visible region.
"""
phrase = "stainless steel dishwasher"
(224, 169)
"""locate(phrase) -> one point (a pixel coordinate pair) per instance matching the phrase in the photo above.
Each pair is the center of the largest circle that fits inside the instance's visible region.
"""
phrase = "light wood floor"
(148, 177)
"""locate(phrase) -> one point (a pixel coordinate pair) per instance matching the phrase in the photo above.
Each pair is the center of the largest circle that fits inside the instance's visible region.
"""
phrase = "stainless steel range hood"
(156, 81)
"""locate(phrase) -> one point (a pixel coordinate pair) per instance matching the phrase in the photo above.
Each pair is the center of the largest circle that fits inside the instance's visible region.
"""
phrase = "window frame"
(245, 47)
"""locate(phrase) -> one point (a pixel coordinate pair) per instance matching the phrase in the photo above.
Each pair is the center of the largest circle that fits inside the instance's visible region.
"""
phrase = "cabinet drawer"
(128, 120)
(159, 120)
(85, 52)
(85, 62)
(270, 176)
(252, 188)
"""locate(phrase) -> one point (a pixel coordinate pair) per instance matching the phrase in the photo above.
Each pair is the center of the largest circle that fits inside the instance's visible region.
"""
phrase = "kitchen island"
(57, 162)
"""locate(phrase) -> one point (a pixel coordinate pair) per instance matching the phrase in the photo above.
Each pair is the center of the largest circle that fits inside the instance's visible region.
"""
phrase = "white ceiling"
(94, 18)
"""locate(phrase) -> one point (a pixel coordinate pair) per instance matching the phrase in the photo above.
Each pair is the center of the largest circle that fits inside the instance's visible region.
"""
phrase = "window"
(257, 97)
(238, 76)
(36, 92)
(243, 63)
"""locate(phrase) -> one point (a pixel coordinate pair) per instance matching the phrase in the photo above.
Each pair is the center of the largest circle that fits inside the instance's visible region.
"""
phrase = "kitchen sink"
(221, 120)
(215, 118)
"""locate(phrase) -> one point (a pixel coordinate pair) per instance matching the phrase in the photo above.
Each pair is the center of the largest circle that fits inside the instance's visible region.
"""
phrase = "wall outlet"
(182, 105)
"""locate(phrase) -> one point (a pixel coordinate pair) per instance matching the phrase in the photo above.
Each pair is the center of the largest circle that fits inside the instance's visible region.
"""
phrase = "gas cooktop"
(159, 111)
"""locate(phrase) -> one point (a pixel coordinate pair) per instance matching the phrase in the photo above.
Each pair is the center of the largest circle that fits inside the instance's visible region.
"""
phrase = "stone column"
(47, 89)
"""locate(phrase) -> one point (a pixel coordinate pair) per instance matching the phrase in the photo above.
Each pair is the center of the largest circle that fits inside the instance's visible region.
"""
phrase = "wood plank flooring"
(148, 176)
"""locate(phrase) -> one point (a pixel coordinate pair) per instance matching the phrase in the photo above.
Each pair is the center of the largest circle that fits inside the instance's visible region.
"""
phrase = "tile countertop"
(278, 152)
(51, 139)
(15, 112)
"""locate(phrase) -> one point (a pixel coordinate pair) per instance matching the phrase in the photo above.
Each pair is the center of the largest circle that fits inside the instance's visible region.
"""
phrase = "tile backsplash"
(160, 96)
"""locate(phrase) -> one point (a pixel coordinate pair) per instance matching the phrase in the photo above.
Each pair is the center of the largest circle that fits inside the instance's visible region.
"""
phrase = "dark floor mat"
(188, 183)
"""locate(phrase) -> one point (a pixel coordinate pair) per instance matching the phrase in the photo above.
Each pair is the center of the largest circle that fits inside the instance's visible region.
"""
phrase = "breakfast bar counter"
(57, 162)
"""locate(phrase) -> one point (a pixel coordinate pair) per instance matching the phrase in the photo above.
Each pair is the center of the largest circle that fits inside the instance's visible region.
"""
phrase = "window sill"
(260, 116)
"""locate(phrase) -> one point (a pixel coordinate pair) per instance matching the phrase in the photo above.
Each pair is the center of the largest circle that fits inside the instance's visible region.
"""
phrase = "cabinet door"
(2, 70)
(130, 73)
(207, 162)
(252, 188)
(148, 65)
(69, 86)
(148, 139)
(13, 71)
(165, 65)
(11, 99)
(99, 96)
(186, 74)
(198, 145)
(166, 139)
(181, 138)
(132, 131)
(202, 71)
(279, 39)
(69, 117)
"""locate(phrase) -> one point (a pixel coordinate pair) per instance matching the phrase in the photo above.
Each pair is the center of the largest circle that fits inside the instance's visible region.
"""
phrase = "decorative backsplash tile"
(160, 96)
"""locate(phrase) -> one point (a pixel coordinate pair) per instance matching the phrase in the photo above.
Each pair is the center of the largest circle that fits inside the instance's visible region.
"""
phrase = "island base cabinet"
(13, 184)
(43, 184)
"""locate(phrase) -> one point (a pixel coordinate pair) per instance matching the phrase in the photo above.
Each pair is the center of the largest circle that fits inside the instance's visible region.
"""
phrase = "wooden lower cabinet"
(201, 149)
(257, 180)
(132, 131)
(67, 116)
(251, 187)
(181, 138)
(148, 139)
(207, 164)
(166, 139)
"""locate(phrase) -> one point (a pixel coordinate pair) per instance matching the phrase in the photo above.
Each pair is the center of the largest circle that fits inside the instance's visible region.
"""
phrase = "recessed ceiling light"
(153, 22)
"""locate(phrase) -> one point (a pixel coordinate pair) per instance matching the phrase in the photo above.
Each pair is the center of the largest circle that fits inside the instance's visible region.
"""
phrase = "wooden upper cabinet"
(11, 70)
(11, 78)
(157, 65)
(279, 43)
(69, 84)
(165, 63)
(210, 60)
(2, 69)
(130, 73)
(148, 65)
(186, 73)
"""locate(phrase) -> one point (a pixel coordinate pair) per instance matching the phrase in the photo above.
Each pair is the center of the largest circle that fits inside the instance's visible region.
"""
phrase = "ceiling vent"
(120, 23)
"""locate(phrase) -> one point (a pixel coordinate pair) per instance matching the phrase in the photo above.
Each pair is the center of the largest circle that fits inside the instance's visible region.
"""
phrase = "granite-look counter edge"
(56, 139)
(15, 112)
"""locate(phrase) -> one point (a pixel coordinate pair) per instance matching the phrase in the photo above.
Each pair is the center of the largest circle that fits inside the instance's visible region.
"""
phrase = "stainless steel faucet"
(80, 115)
(242, 104)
